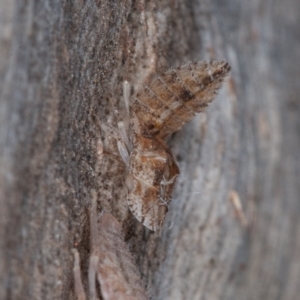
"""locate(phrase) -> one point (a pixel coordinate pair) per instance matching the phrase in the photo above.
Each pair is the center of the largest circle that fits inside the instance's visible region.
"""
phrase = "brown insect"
(158, 109)
(111, 263)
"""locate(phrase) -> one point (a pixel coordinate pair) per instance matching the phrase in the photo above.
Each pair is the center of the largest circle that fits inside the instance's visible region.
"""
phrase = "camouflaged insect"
(158, 109)
(111, 267)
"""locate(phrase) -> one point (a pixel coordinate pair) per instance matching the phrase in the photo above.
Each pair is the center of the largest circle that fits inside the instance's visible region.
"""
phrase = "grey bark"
(62, 64)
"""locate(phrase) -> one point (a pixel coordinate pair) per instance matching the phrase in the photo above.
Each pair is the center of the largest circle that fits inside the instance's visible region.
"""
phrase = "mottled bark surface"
(62, 64)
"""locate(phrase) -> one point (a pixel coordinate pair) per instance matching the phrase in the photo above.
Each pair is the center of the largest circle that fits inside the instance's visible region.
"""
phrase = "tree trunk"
(232, 230)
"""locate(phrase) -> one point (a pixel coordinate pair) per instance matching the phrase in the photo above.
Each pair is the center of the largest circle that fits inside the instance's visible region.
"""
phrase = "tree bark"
(62, 65)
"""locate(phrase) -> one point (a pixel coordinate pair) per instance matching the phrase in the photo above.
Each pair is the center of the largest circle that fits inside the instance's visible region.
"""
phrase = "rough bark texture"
(62, 64)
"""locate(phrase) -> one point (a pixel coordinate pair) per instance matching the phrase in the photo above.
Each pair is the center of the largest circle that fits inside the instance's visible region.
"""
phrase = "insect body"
(150, 182)
(111, 264)
(160, 108)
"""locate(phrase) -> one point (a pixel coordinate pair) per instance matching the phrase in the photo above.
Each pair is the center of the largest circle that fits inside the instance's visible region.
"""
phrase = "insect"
(161, 107)
(111, 263)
